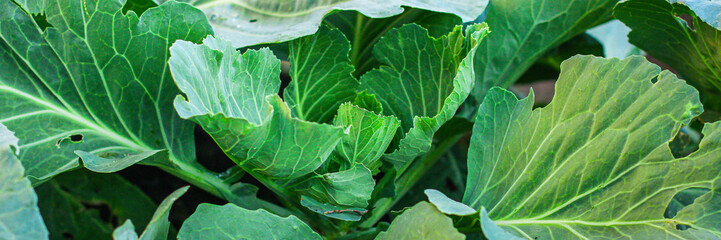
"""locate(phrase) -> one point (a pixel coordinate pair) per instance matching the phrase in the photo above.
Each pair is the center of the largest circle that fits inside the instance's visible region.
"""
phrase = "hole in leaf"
(103, 210)
(450, 185)
(681, 200)
(75, 138)
(687, 20)
(67, 235)
(42, 21)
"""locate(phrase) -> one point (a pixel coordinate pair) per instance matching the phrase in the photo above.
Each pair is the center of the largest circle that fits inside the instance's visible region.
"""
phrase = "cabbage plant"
(358, 119)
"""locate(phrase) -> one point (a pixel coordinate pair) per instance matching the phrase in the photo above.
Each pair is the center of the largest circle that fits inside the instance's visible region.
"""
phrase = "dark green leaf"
(691, 48)
(523, 30)
(101, 81)
(158, 227)
(364, 32)
(321, 73)
(72, 203)
(423, 85)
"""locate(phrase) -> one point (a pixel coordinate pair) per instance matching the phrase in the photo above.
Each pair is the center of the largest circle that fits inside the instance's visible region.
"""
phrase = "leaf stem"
(357, 36)
(211, 182)
(406, 181)
(291, 201)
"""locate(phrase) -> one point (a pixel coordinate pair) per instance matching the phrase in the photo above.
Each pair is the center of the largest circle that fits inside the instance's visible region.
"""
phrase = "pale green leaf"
(110, 162)
(125, 232)
(523, 30)
(447, 205)
(19, 214)
(102, 79)
(232, 222)
(596, 160)
(332, 211)
(493, 231)
(234, 98)
(321, 75)
(249, 22)
(691, 48)
(424, 82)
(422, 221)
(352, 187)
(369, 136)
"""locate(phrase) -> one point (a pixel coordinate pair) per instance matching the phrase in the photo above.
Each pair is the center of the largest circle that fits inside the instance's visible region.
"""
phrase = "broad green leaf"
(352, 187)
(523, 30)
(709, 11)
(234, 98)
(691, 48)
(321, 73)
(422, 221)
(249, 22)
(596, 160)
(447, 205)
(423, 82)
(19, 214)
(232, 222)
(72, 202)
(364, 32)
(101, 81)
(369, 136)
(158, 227)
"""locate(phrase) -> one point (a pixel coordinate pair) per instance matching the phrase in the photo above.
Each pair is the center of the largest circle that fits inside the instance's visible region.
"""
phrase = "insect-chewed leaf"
(95, 81)
(596, 160)
(690, 46)
(524, 30)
